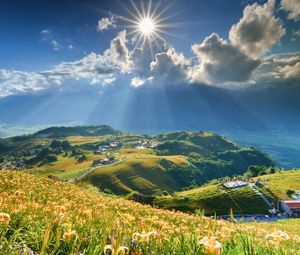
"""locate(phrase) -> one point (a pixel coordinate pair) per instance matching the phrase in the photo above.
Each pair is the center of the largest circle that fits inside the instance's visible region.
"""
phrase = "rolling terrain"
(62, 218)
(145, 164)
(215, 198)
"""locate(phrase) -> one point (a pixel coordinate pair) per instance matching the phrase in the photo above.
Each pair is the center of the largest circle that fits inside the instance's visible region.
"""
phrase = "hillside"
(215, 198)
(60, 218)
(55, 132)
(280, 185)
(146, 164)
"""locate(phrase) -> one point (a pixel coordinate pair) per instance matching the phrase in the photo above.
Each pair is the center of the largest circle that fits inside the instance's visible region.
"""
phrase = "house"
(234, 184)
(101, 162)
(297, 195)
(103, 148)
(291, 207)
(115, 145)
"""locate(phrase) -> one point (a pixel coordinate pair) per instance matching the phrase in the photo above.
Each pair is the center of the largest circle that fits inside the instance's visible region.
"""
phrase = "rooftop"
(235, 184)
(292, 204)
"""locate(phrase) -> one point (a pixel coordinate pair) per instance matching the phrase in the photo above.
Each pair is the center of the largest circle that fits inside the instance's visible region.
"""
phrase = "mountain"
(145, 164)
(59, 132)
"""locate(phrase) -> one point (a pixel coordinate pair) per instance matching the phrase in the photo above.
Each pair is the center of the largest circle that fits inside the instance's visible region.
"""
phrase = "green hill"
(146, 164)
(55, 132)
(212, 156)
(215, 198)
(141, 171)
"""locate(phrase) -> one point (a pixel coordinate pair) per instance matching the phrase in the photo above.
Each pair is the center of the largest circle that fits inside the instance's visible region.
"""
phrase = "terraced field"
(218, 199)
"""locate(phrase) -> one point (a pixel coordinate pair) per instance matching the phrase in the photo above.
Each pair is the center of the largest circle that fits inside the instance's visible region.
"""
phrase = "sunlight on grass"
(42, 216)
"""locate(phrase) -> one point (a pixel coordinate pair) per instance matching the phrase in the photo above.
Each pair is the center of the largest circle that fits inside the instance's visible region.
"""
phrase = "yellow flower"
(5, 218)
(122, 250)
(278, 236)
(69, 233)
(144, 237)
(211, 245)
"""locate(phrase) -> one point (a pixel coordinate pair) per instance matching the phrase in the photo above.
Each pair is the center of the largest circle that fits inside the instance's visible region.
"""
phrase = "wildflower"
(5, 218)
(129, 217)
(30, 252)
(122, 250)
(211, 245)
(69, 233)
(144, 237)
(278, 236)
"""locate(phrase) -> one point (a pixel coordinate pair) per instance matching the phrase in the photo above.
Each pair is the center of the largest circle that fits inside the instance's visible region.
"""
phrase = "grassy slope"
(53, 209)
(281, 185)
(66, 167)
(216, 198)
(139, 170)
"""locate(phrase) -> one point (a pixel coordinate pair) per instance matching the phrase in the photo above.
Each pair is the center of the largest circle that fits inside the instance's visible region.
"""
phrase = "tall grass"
(41, 216)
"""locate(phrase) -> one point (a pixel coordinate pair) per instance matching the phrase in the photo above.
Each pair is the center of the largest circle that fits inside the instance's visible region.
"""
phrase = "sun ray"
(147, 23)
(136, 9)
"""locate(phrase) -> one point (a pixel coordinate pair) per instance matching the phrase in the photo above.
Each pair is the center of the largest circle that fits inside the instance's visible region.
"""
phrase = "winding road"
(91, 169)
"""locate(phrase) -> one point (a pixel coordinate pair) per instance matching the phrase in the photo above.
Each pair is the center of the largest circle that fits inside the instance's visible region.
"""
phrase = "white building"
(234, 184)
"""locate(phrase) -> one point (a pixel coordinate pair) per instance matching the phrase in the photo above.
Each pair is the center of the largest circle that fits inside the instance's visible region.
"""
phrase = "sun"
(146, 26)
(147, 23)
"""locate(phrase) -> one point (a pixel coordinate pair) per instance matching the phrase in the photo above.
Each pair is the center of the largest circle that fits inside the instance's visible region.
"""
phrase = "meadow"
(42, 216)
(215, 198)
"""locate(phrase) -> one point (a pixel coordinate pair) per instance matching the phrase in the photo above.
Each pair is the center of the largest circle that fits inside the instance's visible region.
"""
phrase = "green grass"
(137, 172)
(280, 185)
(218, 199)
(65, 167)
(215, 199)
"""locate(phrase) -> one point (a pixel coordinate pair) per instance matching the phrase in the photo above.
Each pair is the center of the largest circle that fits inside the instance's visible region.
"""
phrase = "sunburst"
(147, 22)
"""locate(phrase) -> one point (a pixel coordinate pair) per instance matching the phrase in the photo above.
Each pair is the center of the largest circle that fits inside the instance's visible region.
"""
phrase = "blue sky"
(58, 49)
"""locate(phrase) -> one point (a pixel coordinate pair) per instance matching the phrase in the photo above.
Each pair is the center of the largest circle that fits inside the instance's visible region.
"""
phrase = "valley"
(141, 194)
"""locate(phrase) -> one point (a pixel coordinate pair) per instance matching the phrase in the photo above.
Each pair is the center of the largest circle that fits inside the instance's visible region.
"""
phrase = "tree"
(81, 158)
(55, 144)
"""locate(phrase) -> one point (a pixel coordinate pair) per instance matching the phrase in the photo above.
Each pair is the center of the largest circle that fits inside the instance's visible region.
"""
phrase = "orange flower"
(211, 245)
(5, 218)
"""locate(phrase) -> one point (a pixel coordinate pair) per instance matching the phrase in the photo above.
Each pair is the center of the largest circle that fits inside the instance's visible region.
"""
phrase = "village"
(116, 145)
(287, 208)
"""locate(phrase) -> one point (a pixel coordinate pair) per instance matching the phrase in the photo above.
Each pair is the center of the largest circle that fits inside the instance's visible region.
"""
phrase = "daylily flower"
(211, 245)
(278, 236)
(5, 218)
(122, 250)
(144, 237)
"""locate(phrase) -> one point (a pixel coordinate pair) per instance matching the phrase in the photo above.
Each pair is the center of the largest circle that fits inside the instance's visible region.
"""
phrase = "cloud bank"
(240, 60)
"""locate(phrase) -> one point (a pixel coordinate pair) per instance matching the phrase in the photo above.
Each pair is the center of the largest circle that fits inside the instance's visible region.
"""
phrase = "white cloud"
(70, 46)
(169, 68)
(94, 68)
(220, 62)
(119, 54)
(280, 67)
(109, 80)
(258, 30)
(137, 82)
(145, 54)
(56, 45)
(292, 7)
(106, 23)
(47, 37)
